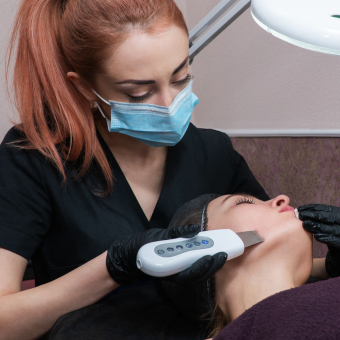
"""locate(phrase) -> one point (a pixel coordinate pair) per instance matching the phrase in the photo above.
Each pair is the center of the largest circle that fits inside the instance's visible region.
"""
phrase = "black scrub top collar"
(118, 175)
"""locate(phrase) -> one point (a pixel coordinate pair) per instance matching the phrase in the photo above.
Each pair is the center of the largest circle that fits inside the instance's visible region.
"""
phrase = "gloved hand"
(324, 222)
(121, 257)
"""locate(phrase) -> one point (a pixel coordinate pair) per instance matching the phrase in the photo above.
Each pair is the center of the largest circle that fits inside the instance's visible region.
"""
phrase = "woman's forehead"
(143, 53)
(219, 210)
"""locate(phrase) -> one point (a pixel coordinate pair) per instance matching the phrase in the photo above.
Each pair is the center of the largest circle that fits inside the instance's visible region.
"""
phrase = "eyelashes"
(244, 200)
(179, 83)
(184, 81)
(139, 99)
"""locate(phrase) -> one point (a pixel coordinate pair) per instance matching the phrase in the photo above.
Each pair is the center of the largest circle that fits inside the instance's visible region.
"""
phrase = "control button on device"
(160, 252)
(189, 245)
(197, 244)
(205, 242)
(170, 249)
(179, 247)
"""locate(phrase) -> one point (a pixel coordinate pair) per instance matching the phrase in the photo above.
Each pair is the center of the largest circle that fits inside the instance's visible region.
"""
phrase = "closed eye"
(183, 81)
(134, 99)
(244, 200)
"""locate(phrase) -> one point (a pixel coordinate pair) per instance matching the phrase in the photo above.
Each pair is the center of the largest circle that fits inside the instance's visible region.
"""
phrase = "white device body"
(151, 263)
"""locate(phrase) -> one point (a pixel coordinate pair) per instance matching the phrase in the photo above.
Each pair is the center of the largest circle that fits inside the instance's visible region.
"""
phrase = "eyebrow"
(181, 66)
(145, 82)
(230, 196)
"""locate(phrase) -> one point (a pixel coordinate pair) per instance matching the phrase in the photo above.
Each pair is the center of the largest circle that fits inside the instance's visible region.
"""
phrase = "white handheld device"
(164, 258)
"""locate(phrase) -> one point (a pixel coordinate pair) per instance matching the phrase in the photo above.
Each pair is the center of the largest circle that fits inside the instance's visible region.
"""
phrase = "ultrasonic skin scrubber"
(164, 258)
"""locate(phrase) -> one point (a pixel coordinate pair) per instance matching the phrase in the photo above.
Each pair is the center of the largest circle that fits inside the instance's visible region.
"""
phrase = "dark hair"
(54, 37)
(193, 212)
(196, 302)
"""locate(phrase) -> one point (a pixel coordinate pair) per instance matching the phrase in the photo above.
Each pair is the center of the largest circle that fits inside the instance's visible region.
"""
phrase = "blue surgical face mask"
(151, 124)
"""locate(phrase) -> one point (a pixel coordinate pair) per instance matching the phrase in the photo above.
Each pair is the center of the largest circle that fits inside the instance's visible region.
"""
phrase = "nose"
(280, 201)
(165, 98)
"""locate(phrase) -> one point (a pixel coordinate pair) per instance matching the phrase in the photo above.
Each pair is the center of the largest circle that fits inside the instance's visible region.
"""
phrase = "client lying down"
(253, 293)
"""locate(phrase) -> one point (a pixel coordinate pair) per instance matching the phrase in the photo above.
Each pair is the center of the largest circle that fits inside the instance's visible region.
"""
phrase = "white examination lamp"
(311, 24)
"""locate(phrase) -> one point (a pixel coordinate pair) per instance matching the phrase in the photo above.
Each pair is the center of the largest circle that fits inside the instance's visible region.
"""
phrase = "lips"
(287, 208)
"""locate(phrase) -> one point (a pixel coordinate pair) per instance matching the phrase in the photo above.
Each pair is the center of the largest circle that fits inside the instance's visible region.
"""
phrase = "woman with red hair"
(103, 156)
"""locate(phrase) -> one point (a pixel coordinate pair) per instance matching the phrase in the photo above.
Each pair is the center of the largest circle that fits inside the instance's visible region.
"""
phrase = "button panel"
(176, 248)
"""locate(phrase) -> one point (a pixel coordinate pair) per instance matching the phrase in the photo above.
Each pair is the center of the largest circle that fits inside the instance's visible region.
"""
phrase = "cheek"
(242, 218)
(290, 241)
(252, 217)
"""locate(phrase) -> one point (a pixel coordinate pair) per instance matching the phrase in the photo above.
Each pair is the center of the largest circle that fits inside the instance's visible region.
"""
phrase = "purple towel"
(308, 312)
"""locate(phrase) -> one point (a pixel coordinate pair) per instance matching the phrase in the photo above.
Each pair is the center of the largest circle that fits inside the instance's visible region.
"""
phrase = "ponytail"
(53, 38)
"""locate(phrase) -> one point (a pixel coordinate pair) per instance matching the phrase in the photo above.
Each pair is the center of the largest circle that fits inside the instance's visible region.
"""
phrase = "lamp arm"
(209, 19)
(220, 26)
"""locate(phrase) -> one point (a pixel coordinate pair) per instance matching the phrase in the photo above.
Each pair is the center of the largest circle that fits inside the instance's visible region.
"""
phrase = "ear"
(81, 86)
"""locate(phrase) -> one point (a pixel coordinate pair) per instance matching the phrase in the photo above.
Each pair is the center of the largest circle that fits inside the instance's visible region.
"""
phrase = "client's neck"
(238, 290)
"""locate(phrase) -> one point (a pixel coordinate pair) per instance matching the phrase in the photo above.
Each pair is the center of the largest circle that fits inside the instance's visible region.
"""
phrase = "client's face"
(286, 243)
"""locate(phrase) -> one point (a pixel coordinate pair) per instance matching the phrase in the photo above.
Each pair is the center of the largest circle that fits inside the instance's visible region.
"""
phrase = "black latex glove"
(324, 222)
(121, 257)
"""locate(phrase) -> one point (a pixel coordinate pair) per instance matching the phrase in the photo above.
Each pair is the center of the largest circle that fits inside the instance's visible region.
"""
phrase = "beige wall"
(7, 11)
(247, 80)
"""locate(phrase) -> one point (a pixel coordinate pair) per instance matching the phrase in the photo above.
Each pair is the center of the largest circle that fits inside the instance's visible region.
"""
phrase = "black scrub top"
(61, 227)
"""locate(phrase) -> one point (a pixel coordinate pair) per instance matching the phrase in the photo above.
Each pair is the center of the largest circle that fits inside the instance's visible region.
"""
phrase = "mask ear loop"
(97, 105)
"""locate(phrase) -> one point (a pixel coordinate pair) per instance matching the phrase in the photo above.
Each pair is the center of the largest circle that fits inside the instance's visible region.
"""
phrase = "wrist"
(119, 271)
(332, 262)
(103, 274)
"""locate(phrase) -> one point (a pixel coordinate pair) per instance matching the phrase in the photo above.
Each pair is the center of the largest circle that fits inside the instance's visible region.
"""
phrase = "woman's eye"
(244, 200)
(133, 99)
(183, 81)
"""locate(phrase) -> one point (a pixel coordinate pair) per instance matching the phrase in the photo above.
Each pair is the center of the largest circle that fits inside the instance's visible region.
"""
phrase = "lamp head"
(310, 24)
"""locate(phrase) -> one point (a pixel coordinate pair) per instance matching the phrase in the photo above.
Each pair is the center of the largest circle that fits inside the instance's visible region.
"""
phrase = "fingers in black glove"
(324, 222)
(315, 227)
(319, 213)
(187, 231)
(328, 239)
(324, 233)
(219, 261)
(319, 207)
(122, 253)
(200, 271)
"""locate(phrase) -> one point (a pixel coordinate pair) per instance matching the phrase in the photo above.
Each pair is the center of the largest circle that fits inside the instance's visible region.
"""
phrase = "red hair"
(58, 36)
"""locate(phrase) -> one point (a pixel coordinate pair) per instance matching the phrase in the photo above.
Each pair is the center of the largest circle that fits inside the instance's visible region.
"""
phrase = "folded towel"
(308, 312)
